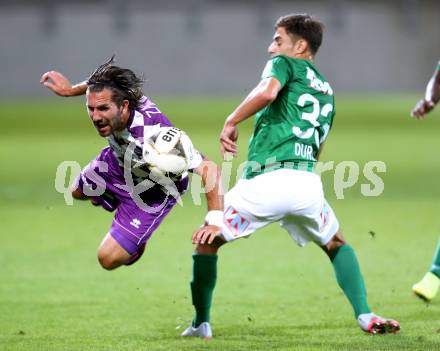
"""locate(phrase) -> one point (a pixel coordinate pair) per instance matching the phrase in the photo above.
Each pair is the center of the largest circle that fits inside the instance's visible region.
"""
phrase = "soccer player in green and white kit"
(428, 287)
(294, 107)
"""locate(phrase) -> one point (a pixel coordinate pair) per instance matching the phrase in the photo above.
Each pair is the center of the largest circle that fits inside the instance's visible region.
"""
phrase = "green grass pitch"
(270, 295)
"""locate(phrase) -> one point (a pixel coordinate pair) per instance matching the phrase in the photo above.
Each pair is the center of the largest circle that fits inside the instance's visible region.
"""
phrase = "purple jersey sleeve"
(143, 124)
(145, 120)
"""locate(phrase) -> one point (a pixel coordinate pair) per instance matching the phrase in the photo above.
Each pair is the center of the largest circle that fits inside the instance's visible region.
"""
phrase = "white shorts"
(294, 198)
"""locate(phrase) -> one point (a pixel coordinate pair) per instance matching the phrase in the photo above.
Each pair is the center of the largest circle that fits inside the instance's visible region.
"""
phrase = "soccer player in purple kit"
(118, 179)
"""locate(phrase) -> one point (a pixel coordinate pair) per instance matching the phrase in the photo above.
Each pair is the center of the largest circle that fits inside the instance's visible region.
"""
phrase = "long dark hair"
(123, 83)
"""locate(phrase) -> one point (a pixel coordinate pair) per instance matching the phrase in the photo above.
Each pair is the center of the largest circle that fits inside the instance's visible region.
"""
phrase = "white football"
(165, 154)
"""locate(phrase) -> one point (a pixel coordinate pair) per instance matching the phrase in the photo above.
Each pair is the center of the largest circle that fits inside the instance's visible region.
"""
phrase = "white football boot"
(202, 331)
(373, 324)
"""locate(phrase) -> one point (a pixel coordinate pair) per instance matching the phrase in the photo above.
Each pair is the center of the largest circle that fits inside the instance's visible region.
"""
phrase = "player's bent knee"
(108, 261)
(110, 253)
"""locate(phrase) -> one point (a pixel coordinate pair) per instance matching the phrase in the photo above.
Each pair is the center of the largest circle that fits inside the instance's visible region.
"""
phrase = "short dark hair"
(304, 26)
(123, 83)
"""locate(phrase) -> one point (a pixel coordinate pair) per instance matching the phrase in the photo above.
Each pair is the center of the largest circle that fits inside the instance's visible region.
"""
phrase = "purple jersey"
(119, 173)
(143, 124)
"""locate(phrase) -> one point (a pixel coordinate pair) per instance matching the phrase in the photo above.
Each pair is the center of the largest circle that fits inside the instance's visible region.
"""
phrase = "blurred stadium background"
(200, 58)
(181, 46)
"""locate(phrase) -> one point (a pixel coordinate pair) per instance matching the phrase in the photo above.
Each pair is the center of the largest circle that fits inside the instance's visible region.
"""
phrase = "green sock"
(349, 277)
(202, 286)
(435, 267)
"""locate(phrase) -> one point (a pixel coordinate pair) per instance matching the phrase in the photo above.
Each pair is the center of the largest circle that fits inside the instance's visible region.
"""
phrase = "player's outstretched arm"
(261, 96)
(61, 86)
(432, 96)
(211, 179)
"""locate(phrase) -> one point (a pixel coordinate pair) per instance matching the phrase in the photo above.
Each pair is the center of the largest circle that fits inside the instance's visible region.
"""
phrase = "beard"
(106, 127)
(117, 123)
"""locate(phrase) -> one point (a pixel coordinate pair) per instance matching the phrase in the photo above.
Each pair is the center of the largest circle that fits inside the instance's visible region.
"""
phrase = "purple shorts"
(134, 222)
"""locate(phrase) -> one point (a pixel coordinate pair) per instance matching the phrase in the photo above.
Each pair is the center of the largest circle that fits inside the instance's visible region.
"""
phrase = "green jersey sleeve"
(277, 67)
